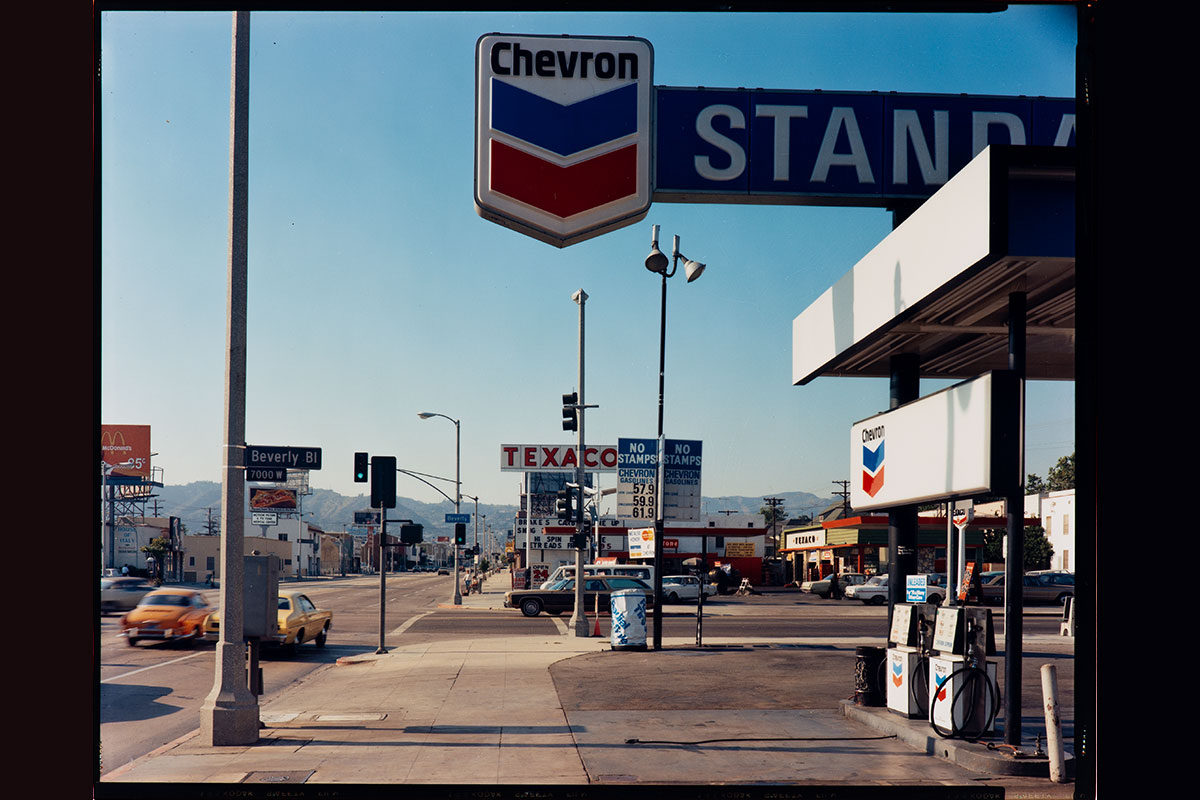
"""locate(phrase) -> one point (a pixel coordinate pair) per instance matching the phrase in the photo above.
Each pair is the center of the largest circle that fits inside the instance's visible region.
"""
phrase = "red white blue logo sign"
(563, 134)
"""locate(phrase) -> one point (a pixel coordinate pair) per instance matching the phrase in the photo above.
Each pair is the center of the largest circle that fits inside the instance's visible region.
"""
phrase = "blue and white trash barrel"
(628, 619)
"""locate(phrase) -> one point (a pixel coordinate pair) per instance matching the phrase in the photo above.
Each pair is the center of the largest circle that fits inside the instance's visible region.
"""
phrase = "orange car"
(167, 615)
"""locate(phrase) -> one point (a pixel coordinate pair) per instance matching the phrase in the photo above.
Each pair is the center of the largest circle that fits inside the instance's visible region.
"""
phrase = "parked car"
(874, 592)
(121, 593)
(443, 571)
(167, 615)
(821, 588)
(1037, 587)
(560, 597)
(677, 588)
(299, 621)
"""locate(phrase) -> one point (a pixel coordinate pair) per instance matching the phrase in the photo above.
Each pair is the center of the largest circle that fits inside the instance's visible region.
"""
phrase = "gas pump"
(964, 694)
(910, 644)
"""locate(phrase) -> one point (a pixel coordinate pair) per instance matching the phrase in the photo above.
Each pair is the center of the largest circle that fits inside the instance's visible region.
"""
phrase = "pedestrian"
(125, 570)
(835, 590)
(209, 580)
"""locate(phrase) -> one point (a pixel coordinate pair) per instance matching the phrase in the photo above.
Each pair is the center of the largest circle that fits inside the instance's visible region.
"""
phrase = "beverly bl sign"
(572, 140)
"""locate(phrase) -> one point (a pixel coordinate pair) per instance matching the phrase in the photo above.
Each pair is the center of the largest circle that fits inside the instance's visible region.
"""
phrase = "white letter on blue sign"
(980, 120)
(857, 157)
(906, 126)
(1065, 128)
(737, 156)
(783, 116)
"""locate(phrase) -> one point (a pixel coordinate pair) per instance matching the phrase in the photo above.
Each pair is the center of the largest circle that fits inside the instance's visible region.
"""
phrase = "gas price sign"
(637, 473)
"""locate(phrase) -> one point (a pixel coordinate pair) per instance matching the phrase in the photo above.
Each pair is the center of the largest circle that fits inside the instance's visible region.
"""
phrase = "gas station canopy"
(938, 285)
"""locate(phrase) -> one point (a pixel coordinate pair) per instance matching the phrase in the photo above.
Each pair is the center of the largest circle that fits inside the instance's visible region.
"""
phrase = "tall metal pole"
(456, 598)
(382, 578)
(658, 504)
(579, 622)
(229, 715)
(1014, 563)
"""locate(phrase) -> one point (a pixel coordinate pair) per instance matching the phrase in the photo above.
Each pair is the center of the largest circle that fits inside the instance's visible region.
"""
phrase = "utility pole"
(774, 503)
(845, 495)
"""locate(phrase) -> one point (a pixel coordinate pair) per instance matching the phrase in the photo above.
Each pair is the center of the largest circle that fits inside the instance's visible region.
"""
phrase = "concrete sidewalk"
(486, 711)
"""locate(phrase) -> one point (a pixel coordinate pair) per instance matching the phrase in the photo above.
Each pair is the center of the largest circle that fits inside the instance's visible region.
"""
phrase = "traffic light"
(460, 533)
(383, 482)
(579, 541)
(562, 505)
(360, 467)
(570, 413)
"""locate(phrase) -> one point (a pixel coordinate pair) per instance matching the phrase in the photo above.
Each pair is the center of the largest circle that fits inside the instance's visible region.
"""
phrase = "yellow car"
(167, 615)
(300, 621)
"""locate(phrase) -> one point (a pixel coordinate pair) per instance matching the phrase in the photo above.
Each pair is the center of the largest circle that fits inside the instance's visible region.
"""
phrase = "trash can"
(628, 608)
(868, 672)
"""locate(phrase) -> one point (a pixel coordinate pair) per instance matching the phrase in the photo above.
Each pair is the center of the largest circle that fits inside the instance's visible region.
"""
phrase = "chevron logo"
(872, 477)
(562, 146)
(897, 674)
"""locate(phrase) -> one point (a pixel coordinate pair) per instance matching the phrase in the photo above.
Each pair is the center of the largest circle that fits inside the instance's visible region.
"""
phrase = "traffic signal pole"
(579, 623)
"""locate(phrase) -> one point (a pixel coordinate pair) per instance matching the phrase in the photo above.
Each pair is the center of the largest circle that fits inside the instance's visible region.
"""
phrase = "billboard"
(562, 133)
(126, 443)
(273, 498)
(959, 442)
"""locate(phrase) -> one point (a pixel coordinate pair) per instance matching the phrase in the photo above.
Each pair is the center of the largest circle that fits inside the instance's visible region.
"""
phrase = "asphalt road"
(151, 694)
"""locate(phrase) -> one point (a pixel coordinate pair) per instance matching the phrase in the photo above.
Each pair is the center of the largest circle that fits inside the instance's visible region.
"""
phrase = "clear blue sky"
(376, 291)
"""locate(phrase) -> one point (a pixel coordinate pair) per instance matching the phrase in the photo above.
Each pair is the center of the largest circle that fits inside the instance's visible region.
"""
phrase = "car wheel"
(320, 640)
(531, 607)
(936, 600)
(1062, 598)
(877, 601)
(131, 641)
(672, 598)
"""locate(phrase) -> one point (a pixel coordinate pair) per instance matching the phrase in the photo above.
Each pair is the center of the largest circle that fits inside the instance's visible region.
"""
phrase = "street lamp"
(457, 596)
(657, 262)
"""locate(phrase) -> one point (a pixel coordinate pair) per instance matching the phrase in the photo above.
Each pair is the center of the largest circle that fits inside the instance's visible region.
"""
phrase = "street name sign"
(282, 457)
(453, 518)
(271, 474)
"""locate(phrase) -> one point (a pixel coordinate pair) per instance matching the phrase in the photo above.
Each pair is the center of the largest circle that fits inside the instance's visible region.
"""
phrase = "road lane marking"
(152, 666)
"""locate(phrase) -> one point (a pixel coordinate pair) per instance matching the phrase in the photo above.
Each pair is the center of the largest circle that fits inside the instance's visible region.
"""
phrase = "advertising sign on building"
(958, 442)
(562, 133)
(556, 458)
(126, 443)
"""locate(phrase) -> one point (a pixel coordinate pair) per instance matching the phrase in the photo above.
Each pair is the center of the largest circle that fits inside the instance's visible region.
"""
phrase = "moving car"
(167, 615)
(122, 593)
(560, 596)
(1038, 587)
(299, 621)
(443, 571)
(821, 588)
(676, 588)
(874, 592)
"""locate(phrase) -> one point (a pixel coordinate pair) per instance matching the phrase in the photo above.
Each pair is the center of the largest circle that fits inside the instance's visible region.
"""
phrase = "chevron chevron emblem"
(872, 477)
(562, 145)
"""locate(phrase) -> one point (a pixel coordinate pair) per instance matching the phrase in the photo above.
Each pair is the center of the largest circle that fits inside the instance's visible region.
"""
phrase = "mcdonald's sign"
(126, 443)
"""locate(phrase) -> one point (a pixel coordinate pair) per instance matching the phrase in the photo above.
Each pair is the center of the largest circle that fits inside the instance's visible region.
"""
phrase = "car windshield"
(877, 580)
(165, 600)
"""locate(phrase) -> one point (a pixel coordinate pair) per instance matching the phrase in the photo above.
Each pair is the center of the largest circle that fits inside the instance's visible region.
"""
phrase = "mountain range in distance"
(198, 505)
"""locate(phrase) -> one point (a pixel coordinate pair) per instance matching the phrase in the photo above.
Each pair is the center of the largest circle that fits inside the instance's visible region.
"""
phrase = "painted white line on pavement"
(152, 666)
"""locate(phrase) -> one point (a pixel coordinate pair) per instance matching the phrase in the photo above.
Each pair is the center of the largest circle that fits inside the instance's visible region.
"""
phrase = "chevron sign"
(562, 134)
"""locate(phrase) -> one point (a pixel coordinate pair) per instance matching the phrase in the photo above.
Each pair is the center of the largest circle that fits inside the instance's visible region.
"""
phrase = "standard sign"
(264, 518)
(763, 146)
(958, 442)
(282, 457)
(562, 133)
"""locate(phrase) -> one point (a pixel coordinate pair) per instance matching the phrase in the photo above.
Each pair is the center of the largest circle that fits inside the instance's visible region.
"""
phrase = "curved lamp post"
(657, 261)
(457, 596)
